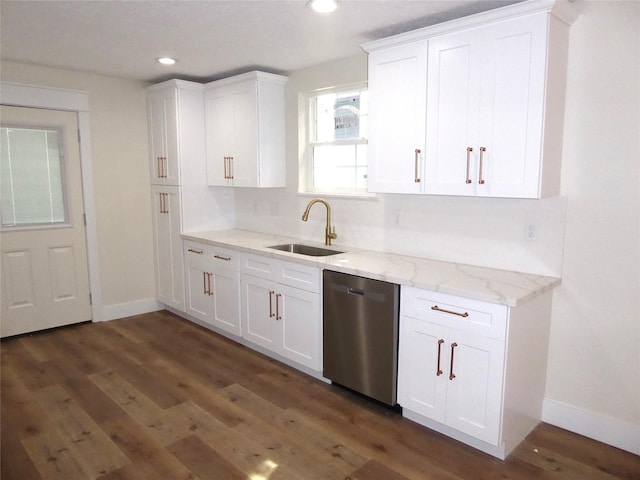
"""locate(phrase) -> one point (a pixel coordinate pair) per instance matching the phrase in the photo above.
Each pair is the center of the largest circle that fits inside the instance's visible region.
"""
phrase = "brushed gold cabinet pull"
(231, 168)
(209, 275)
(161, 170)
(417, 178)
(159, 166)
(438, 369)
(451, 374)
(271, 292)
(227, 259)
(438, 309)
(163, 203)
(204, 282)
(199, 252)
(469, 150)
(166, 203)
(480, 176)
(278, 316)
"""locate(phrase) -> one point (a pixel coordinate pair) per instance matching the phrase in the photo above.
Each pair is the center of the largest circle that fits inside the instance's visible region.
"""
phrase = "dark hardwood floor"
(157, 397)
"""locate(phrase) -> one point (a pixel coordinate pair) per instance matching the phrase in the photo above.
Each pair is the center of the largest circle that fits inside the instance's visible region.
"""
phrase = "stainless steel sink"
(305, 250)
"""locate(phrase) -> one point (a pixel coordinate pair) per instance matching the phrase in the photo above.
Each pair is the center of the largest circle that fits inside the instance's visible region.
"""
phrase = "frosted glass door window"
(32, 173)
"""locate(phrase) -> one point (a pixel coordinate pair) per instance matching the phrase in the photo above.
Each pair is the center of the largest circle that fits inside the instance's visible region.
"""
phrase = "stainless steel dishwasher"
(360, 334)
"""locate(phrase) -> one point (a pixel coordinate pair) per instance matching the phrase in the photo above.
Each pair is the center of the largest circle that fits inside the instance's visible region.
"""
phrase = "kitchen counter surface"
(480, 283)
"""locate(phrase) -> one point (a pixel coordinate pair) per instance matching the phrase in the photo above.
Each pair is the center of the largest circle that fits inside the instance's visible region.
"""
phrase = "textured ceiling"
(210, 39)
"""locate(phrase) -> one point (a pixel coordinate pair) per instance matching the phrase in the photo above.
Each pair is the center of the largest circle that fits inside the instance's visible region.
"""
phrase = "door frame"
(21, 95)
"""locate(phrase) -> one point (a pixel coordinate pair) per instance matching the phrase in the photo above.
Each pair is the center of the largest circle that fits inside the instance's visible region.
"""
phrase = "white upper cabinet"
(176, 126)
(486, 111)
(245, 131)
(494, 109)
(163, 136)
(397, 86)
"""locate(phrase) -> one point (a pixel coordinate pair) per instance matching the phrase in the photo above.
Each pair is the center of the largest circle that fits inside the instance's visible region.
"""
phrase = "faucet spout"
(330, 232)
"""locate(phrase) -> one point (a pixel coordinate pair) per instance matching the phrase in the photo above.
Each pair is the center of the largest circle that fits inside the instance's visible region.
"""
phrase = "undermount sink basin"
(305, 250)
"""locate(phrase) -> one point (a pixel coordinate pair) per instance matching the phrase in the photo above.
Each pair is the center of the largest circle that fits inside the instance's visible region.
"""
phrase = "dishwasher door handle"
(354, 291)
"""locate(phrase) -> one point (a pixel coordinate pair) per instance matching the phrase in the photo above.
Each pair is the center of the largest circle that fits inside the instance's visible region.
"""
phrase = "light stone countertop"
(480, 283)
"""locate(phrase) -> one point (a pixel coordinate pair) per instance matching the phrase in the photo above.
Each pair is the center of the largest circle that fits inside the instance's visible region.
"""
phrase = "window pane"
(340, 166)
(31, 175)
(339, 116)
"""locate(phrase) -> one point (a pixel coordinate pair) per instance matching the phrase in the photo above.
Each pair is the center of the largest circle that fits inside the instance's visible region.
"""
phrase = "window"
(336, 157)
(31, 176)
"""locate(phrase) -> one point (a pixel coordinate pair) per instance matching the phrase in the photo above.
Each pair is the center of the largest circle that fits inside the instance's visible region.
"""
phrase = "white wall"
(594, 359)
(118, 121)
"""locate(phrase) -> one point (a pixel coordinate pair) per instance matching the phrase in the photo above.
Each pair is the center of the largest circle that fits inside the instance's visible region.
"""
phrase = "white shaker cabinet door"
(199, 302)
(258, 312)
(299, 313)
(397, 103)
(219, 135)
(225, 292)
(163, 133)
(475, 376)
(168, 246)
(512, 108)
(452, 113)
(422, 363)
(245, 154)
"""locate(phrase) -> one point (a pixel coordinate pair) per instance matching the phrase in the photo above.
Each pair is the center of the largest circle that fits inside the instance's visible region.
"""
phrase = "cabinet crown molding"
(254, 75)
(561, 9)
(183, 84)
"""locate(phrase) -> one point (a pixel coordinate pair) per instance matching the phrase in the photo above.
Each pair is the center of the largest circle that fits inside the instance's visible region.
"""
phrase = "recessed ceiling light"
(166, 60)
(323, 6)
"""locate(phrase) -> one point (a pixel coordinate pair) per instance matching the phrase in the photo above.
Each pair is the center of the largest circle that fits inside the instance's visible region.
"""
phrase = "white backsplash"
(488, 232)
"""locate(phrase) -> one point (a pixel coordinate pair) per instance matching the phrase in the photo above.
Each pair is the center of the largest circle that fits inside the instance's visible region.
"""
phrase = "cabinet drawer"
(195, 254)
(287, 273)
(210, 257)
(473, 316)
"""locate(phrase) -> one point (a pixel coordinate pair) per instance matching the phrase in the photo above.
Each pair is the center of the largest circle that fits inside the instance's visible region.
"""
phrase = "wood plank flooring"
(157, 397)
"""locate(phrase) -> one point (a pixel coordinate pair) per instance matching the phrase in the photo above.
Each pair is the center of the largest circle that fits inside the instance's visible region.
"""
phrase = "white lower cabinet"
(452, 377)
(452, 373)
(213, 286)
(280, 308)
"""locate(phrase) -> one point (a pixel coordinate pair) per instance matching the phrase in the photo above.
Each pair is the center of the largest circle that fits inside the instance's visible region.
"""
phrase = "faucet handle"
(333, 233)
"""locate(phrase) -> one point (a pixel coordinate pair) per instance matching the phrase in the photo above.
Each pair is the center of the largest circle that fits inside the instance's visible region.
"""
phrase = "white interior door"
(45, 279)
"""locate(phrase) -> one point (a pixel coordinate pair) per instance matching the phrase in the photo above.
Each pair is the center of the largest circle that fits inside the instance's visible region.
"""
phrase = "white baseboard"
(611, 431)
(121, 310)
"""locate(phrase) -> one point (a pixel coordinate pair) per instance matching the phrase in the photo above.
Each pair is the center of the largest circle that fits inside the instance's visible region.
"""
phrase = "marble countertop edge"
(480, 283)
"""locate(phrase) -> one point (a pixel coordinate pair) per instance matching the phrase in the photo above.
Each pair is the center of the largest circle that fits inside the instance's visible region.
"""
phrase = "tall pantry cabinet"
(182, 201)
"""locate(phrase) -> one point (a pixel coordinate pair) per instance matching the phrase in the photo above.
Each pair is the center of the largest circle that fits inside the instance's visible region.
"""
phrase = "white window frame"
(65, 223)
(308, 117)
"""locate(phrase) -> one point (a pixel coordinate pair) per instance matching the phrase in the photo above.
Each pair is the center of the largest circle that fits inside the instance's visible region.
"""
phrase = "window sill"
(345, 195)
